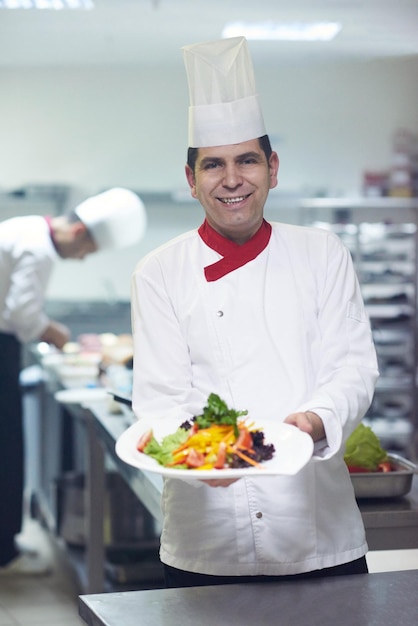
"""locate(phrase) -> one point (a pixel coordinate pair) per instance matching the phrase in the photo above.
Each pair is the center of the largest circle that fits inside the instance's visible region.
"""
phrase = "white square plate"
(293, 449)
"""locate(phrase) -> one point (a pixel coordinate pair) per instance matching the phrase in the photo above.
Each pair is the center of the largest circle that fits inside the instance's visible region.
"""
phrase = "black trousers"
(179, 578)
(11, 446)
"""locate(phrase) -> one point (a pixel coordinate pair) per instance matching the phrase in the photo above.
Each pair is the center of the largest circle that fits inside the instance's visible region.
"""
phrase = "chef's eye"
(210, 165)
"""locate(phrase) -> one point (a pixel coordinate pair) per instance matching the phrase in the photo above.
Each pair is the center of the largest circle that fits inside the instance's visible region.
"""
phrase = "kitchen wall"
(103, 126)
(98, 127)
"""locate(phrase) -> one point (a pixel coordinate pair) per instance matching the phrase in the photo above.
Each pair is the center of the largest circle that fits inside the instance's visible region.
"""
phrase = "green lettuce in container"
(363, 450)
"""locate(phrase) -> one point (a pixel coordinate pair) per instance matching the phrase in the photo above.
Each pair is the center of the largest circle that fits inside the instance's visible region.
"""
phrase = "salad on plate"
(219, 438)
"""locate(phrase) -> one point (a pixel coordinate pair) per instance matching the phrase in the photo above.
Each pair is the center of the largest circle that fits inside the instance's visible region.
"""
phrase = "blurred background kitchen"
(96, 97)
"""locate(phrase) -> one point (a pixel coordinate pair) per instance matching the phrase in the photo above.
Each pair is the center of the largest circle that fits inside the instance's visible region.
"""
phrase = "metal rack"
(382, 235)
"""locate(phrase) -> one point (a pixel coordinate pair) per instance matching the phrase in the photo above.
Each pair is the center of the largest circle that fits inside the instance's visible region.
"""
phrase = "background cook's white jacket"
(27, 257)
(285, 332)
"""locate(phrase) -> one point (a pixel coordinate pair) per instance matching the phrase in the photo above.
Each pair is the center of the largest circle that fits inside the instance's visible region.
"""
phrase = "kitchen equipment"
(385, 484)
(393, 432)
(76, 376)
(135, 566)
(124, 399)
(124, 404)
(126, 521)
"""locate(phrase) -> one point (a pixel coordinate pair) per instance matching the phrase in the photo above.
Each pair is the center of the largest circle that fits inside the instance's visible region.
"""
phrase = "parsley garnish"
(217, 412)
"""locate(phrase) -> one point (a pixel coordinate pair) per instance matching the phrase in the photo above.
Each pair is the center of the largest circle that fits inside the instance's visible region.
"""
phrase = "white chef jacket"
(27, 257)
(286, 332)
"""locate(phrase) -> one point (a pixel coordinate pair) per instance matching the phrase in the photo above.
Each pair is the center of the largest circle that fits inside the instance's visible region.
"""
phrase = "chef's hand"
(220, 482)
(307, 422)
(57, 334)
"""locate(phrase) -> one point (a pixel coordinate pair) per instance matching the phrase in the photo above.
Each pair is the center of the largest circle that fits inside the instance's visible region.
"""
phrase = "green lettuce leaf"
(162, 452)
(363, 449)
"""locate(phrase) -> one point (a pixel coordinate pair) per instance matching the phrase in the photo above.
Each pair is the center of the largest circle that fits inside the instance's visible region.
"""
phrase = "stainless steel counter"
(392, 523)
(365, 600)
(108, 427)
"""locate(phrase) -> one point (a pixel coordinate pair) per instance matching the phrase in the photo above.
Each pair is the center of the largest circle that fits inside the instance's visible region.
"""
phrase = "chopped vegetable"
(386, 466)
(356, 469)
(217, 412)
(144, 440)
(162, 452)
(363, 451)
(214, 440)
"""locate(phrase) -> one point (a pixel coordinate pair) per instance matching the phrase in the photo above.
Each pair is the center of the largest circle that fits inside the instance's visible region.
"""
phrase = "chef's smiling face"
(232, 183)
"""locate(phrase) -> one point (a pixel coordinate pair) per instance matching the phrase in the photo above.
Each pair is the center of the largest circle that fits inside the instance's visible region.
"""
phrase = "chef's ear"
(191, 180)
(273, 169)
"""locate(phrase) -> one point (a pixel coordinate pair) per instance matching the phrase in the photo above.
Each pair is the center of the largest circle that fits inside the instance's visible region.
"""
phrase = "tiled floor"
(52, 600)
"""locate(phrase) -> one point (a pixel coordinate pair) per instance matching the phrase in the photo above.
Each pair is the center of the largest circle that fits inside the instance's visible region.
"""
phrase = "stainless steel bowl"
(385, 484)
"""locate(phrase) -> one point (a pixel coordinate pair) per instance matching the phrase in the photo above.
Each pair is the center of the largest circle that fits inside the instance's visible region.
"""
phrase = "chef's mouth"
(235, 200)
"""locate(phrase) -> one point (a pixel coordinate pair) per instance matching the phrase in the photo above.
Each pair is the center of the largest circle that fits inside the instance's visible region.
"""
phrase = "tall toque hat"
(115, 218)
(224, 106)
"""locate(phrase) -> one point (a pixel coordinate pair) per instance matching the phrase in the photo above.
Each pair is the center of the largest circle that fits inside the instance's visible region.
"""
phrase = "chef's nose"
(232, 176)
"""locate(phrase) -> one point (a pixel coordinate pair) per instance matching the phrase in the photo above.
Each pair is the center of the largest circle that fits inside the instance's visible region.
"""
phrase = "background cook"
(29, 248)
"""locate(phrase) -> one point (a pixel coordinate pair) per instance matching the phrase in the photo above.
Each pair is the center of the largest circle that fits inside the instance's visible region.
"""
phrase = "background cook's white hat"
(115, 218)
(224, 106)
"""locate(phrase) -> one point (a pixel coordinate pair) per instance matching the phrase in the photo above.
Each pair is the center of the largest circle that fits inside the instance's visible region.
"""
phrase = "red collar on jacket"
(234, 255)
(48, 220)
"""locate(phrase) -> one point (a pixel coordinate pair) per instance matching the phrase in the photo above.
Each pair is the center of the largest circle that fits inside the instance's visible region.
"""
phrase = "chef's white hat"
(115, 218)
(224, 106)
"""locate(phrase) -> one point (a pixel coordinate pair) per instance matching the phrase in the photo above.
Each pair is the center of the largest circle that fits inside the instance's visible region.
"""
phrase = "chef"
(268, 316)
(29, 247)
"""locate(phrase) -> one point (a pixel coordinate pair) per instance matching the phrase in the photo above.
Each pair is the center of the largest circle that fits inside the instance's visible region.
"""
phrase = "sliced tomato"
(355, 469)
(385, 466)
(144, 440)
(194, 458)
(221, 456)
(244, 439)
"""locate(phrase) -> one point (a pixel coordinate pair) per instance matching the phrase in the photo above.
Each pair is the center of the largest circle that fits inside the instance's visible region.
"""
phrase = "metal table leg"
(95, 497)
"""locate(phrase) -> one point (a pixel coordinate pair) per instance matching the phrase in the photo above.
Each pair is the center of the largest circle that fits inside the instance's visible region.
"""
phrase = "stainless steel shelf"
(381, 234)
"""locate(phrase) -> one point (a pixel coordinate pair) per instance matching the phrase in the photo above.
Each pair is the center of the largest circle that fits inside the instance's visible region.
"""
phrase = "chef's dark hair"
(73, 217)
(264, 144)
